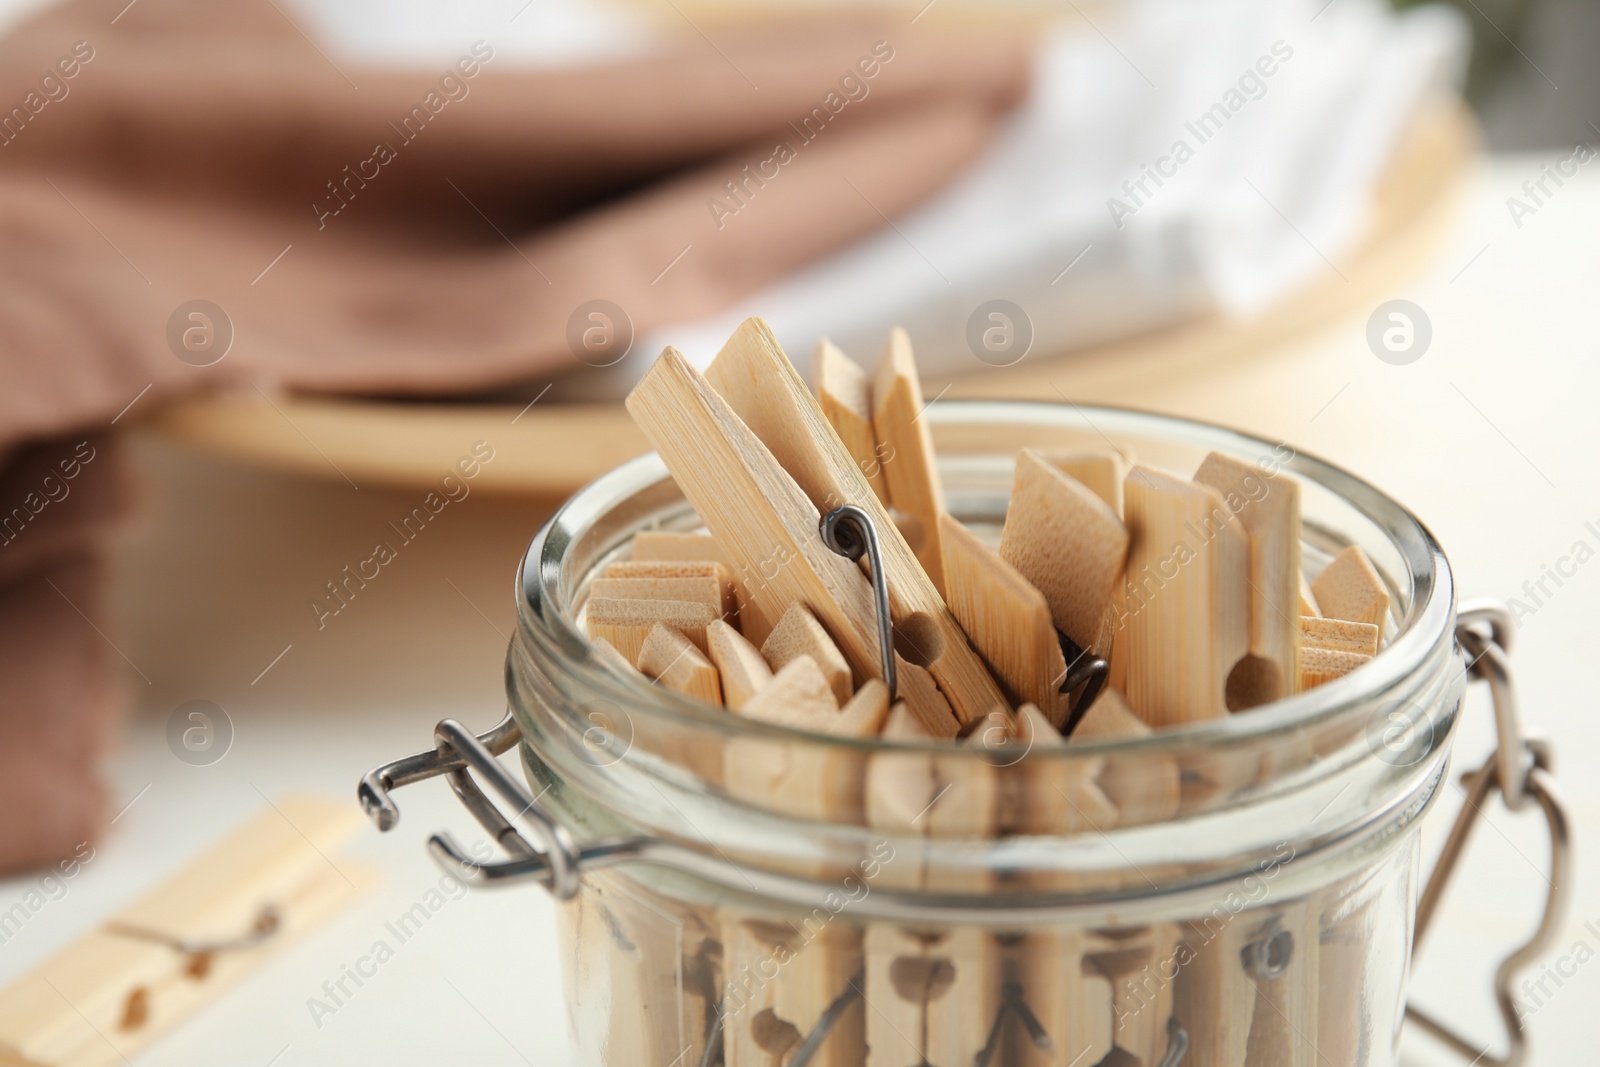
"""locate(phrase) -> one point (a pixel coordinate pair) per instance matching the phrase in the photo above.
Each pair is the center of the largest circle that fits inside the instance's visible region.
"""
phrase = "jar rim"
(1424, 626)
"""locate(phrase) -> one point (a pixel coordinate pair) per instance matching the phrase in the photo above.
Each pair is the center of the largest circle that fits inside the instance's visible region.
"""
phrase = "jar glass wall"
(1238, 892)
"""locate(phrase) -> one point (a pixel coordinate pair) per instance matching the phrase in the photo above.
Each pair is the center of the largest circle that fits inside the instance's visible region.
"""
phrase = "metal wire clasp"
(550, 858)
(848, 531)
(199, 953)
(1519, 769)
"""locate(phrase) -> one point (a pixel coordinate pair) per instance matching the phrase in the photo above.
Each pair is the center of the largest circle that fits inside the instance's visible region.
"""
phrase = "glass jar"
(1234, 893)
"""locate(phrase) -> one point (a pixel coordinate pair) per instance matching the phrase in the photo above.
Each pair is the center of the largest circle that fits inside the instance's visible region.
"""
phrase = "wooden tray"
(549, 450)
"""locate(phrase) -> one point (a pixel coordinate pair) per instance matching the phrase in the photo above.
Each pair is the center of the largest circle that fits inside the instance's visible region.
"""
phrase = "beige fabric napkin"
(382, 232)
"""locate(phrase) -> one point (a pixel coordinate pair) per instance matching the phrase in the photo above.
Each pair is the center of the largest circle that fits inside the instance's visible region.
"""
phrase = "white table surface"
(1490, 437)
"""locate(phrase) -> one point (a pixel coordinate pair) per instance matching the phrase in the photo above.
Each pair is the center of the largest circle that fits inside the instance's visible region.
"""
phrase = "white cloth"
(425, 33)
(1273, 196)
(1210, 239)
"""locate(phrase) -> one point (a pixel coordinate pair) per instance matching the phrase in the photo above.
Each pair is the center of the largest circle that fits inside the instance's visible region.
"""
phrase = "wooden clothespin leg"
(1102, 472)
(740, 666)
(906, 443)
(1042, 967)
(1007, 619)
(761, 387)
(1282, 963)
(1350, 588)
(1144, 788)
(657, 955)
(1068, 543)
(1268, 506)
(782, 975)
(799, 633)
(934, 992)
(845, 395)
(1138, 963)
(668, 546)
(1187, 606)
(667, 656)
(673, 660)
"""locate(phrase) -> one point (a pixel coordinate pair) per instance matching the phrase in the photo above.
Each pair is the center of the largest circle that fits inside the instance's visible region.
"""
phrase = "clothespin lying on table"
(170, 953)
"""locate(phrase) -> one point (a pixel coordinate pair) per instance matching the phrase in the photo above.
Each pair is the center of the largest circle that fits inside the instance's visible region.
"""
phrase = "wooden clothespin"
(1104, 996)
(1044, 968)
(1282, 963)
(170, 953)
(1137, 962)
(830, 785)
(1068, 544)
(1052, 796)
(673, 660)
(654, 953)
(677, 570)
(740, 665)
(1101, 471)
(1254, 976)
(1349, 588)
(754, 377)
(799, 633)
(672, 546)
(624, 623)
(765, 524)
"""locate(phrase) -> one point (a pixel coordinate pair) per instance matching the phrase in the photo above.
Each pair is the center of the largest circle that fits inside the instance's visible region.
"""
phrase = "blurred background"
(1516, 47)
(279, 266)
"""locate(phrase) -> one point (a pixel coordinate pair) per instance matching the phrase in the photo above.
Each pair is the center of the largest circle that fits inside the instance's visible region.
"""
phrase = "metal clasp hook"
(1518, 769)
(553, 862)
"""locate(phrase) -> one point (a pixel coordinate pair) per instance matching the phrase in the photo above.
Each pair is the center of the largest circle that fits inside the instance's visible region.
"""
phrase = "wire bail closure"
(1519, 769)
